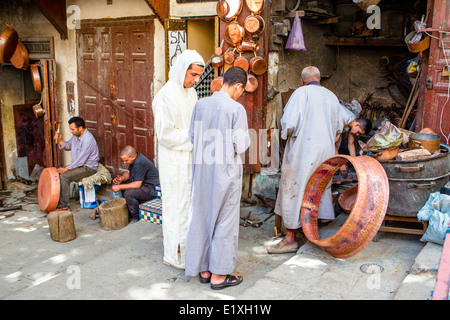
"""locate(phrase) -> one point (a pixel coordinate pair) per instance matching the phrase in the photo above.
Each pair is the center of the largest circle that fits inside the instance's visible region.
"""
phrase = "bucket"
(422, 45)
(88, 197)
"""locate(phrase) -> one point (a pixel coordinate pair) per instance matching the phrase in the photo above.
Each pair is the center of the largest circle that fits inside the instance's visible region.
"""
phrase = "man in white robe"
(310, 122)
(172, 109)
(219, 132)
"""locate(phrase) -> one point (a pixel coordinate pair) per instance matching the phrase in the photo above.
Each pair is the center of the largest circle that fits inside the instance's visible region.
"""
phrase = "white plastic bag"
(437, 212)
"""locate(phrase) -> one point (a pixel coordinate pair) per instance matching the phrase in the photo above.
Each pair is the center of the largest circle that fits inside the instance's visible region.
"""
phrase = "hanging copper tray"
(48, 189)
(20, 58)
(232, 8)
(367, 213)
(254, 25)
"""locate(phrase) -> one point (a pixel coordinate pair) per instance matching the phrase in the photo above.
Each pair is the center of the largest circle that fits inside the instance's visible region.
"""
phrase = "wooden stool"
(62, 226)
(113, 214)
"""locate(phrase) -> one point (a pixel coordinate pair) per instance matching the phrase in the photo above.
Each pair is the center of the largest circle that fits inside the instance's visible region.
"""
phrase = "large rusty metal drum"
(48, 189)
(412, 182)
(367, 213)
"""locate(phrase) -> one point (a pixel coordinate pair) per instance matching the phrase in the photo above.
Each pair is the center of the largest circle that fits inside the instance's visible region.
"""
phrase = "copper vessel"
(8, 43)
(255, 6)
(20, 58)
(258, 65)
(247, 46)
(366, 215)
(234, 33)
(254, 25)
(229, 57)
(35, 77)
(252, 83)
(48, 189)
(242, 62)
(216, 84)
(422, 140)
(386, 154)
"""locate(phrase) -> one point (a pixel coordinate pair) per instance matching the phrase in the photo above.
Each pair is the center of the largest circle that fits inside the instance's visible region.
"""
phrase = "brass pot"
(429, 141)
(385, 155)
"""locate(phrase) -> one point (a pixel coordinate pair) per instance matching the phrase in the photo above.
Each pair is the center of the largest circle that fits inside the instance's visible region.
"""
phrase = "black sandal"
(228, 282)
(204, 280)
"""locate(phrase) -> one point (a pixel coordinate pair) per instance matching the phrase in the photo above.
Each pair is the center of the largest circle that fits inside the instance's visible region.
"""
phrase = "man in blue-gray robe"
(219, 133)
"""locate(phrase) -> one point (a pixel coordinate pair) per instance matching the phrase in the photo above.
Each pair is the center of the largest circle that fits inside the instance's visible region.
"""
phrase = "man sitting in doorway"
(353, 127)
(85, 157)
(138, 183)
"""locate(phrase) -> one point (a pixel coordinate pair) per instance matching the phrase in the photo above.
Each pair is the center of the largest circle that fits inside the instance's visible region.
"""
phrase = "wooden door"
(434, 109)
(115, 76)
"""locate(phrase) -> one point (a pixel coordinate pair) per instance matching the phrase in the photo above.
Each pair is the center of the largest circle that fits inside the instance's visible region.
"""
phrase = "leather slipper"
(228, 282)
(204, 280)
(280, 247)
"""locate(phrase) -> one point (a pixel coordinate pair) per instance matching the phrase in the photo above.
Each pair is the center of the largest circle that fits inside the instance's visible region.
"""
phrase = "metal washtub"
(412, 182)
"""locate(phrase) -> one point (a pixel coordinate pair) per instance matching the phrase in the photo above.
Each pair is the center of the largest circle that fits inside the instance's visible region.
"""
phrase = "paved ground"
(127, 264)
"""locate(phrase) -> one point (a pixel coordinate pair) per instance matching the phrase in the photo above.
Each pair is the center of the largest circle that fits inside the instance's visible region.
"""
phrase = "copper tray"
(48, 189)
(367, 213)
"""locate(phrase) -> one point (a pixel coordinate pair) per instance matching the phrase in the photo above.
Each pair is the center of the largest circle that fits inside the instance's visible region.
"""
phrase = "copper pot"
(252, 83)
(222, 9)
(229, 57)
(255, 6)
(35, 77)
(258, 65)
(242, 62)
(429, 141)
(254, 25)
(38, 111)
(216, 84)
(217, 60)
(385, 155)
(8, 43)
(234, 33)
(20, 58)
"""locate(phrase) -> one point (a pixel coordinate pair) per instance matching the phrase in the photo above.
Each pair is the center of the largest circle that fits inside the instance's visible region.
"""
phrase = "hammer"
(58, 126)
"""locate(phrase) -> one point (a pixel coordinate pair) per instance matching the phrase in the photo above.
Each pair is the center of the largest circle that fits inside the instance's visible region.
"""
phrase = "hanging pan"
(20, 58)
(234, 33)
(216, 84)
(229, 10)
(252, 83)
(229, 57)
(258, 65)
(255, 6)
(254, 25)
(36, 78)
(242, 62)
(8, 43)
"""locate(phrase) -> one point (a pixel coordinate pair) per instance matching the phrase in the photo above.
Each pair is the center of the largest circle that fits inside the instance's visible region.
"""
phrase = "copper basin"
(347, 199)
(367, 214)
(48, 189)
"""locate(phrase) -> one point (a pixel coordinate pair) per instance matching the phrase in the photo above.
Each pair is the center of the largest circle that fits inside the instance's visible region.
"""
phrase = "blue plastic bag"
(437, 212)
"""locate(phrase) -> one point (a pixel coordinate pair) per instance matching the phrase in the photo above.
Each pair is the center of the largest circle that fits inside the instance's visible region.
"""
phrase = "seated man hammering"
(138, 182)
(85, 157)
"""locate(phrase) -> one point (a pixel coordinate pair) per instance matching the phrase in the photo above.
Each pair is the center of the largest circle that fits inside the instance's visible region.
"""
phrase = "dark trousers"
(66, 178)
(136, 196)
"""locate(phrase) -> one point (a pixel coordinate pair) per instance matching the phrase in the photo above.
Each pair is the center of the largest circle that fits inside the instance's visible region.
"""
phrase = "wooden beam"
(55, 12)
(160, 8)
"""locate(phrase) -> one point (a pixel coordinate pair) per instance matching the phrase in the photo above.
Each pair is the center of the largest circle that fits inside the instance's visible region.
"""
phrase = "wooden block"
(61, 225)
(113, 214)
(412, 155)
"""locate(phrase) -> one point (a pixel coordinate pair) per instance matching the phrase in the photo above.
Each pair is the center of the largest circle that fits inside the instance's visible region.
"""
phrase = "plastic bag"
(295, 40)
(387, 137)
(437, 212)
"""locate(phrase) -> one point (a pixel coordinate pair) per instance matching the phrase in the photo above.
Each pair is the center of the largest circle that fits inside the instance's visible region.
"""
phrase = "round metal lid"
(48, 189)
